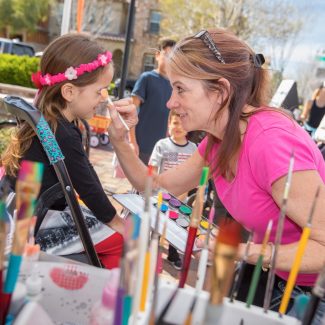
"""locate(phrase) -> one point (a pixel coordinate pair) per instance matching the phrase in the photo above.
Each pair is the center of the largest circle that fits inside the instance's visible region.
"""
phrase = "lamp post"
(128, 36)
(65, 24)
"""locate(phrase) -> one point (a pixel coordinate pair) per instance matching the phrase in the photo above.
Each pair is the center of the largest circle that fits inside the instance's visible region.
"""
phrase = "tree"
(6, 15)
(23, 15)
(272, 27)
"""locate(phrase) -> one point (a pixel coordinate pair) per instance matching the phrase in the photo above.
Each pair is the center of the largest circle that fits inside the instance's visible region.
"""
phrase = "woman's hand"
(127, 110)
(117, 224)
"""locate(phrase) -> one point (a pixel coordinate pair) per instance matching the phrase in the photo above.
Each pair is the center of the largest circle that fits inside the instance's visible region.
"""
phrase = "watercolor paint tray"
(175, 235)
(181, 213)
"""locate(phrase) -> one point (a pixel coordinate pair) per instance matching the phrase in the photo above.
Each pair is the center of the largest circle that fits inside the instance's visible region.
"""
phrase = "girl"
(220, 87)
(74, 70)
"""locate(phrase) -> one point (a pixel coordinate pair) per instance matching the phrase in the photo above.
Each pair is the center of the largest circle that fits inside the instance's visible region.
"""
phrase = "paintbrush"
(143, 246)
(192, 230)
(258, 266)
(240, 273)
(156, 251)
(317, 294)
(104, 93)
(225, 253)
(278, 236)
(27, 188)
(204, 256)
(297, 261)
(130, 259)
(205, 253)
(149, 259)
(3, 239)
(194, 224)
(121, 291)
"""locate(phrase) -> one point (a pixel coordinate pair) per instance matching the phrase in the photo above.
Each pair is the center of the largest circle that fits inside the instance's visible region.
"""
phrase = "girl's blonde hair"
(69, 50)
(249, 84)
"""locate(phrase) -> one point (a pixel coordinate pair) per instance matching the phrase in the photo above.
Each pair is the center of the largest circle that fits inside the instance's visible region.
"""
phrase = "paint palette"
(173, 211)
(180, 213)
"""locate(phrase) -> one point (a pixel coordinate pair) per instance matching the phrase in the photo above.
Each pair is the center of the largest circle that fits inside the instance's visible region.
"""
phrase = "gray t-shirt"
(168, 154)
(154, 91)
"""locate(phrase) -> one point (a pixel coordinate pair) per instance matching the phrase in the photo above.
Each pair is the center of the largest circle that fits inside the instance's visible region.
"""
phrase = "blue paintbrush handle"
(12, 273)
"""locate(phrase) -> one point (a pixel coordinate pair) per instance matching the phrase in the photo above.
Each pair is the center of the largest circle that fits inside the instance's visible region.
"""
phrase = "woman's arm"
(177, 180)
(302, 193)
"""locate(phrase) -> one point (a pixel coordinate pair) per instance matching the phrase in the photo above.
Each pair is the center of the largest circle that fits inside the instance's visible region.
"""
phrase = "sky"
(312, 37)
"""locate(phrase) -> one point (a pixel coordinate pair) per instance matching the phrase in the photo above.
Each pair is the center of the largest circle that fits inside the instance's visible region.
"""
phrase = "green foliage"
(17, 70)
(6, 13)
(23, 14)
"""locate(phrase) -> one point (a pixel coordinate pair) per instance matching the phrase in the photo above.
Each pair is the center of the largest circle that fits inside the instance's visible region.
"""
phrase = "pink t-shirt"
(264, 157)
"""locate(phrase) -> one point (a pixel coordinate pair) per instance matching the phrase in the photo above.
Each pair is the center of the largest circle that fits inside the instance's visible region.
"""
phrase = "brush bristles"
(229, 233)
(31, 171)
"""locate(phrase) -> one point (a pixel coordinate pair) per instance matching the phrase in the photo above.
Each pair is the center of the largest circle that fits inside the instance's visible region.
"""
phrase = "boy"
(168, 153)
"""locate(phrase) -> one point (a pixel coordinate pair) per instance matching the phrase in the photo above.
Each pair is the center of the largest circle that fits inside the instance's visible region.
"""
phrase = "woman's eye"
(179, 90)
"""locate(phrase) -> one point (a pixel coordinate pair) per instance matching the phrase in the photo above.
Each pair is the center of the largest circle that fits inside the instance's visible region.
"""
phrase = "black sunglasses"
(208, 41)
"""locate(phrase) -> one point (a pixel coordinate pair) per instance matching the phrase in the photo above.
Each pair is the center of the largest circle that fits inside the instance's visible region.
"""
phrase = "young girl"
(74, 70)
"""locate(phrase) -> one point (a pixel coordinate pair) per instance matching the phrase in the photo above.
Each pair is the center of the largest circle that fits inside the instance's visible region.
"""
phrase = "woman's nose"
(171, 103)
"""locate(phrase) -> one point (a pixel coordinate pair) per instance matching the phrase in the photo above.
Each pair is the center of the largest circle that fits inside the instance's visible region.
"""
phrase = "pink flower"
(71, 73)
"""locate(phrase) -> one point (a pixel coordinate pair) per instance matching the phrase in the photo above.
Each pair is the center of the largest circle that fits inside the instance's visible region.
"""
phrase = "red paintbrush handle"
(187, 256)
(5, 299)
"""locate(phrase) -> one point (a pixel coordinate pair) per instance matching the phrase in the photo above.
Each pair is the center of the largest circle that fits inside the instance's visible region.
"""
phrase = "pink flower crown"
(72, 72)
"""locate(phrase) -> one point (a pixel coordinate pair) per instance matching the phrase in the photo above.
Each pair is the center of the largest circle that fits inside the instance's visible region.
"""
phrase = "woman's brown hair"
(69, 50)
(192, 58)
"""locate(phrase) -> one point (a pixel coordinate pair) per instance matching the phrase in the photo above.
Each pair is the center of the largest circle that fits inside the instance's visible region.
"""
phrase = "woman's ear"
(69, 92)
(224, 91)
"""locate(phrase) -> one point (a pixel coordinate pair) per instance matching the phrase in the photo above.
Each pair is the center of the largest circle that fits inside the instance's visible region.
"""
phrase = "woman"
(314, 110)
(220, 87)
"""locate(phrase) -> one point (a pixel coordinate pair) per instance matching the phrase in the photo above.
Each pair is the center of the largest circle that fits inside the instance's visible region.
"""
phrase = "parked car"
(128, 87)
(15, 47)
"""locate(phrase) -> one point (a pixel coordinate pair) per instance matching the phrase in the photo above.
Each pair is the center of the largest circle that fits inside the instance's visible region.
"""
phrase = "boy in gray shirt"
(168, 153)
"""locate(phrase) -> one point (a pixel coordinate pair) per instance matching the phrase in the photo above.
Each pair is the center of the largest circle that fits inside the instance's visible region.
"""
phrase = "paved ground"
(101, 157)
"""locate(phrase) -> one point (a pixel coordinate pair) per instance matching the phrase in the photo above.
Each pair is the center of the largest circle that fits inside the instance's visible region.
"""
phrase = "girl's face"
(195, 106)
(87, 98)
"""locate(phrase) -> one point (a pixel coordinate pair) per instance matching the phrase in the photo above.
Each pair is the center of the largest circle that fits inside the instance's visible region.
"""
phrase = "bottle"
(34, 285)
(103, 311)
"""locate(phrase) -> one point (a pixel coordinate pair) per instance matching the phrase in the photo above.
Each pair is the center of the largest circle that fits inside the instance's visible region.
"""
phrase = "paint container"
(185, 210)
(182, 222)
(175, 203)
(204, 224)
(166, 196)
(173, 214)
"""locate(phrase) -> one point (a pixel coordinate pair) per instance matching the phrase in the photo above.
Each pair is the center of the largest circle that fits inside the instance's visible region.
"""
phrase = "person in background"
(150, 94)
(169, 153)
(314, 110)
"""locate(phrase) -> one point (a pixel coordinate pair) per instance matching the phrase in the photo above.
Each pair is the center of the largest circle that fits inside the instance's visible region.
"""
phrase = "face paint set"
(176, 213)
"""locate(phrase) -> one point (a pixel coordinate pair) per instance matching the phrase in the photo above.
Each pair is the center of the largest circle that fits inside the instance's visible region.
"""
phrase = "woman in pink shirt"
(220, 87)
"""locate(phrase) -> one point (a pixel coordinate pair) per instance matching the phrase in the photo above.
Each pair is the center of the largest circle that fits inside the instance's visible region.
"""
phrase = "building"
(106, 20)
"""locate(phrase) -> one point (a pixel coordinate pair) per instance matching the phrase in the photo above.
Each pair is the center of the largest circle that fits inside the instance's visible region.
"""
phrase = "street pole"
(128, 36)
(65, 25)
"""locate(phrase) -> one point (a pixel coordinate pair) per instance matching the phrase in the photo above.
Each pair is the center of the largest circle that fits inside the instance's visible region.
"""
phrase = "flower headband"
(72, 72)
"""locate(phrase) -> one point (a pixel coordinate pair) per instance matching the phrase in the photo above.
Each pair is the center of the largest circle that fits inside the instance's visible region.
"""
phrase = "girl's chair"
(24, 111)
